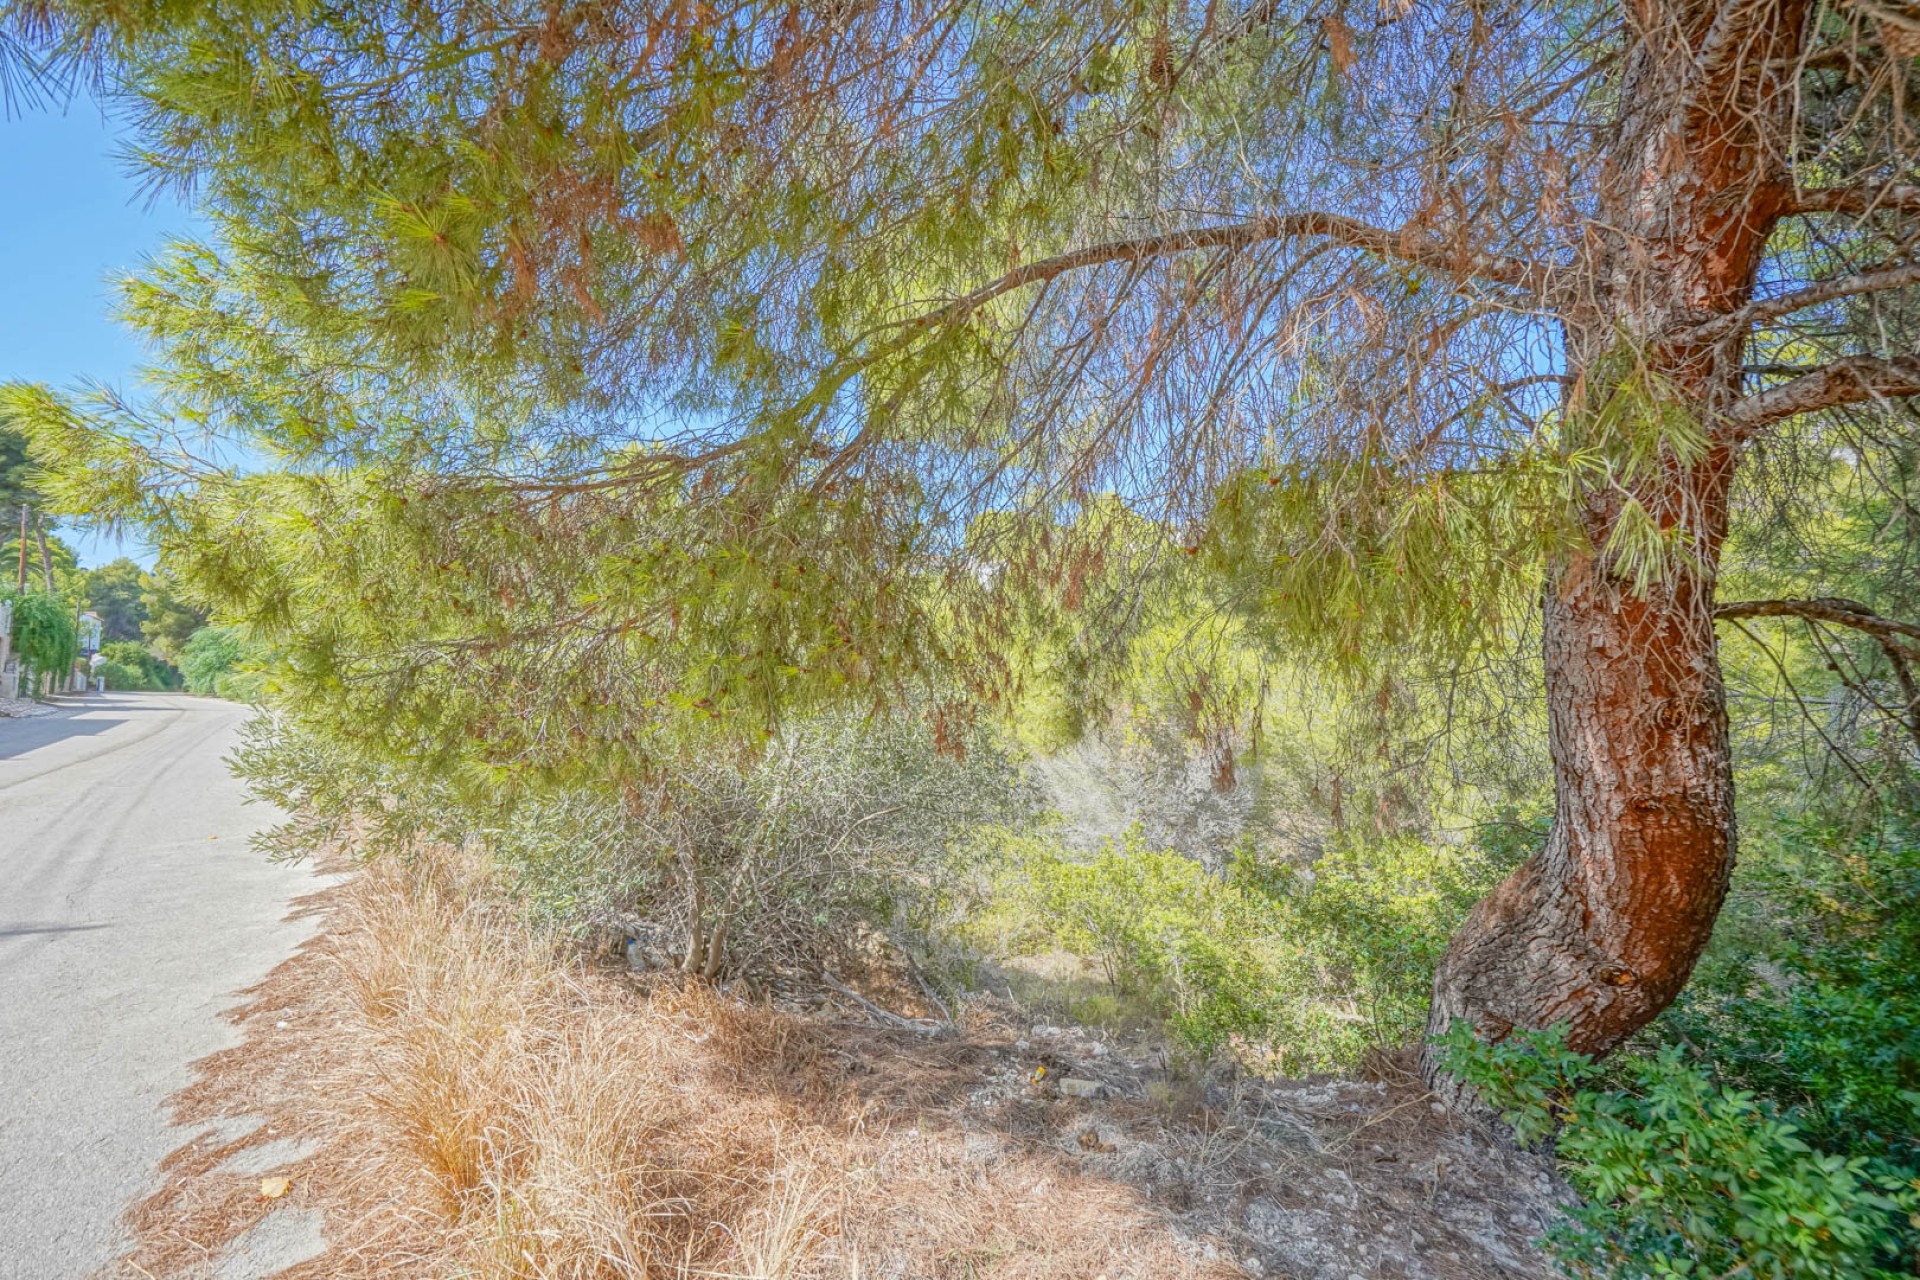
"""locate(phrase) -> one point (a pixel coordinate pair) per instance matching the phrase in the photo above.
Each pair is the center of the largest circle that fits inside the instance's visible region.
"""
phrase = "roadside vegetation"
(151, 638)
(493, 1106)
(767, 521)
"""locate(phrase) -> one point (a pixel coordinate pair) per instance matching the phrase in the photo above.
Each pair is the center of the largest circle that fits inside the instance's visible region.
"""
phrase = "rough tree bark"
(1601, 929)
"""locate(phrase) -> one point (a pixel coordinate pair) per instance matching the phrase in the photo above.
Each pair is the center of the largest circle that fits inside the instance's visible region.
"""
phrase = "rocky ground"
(22, 708)
(1321, 1179)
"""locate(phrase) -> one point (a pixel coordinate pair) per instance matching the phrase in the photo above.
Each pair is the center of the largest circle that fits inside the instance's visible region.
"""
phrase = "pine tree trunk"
(1601, 929)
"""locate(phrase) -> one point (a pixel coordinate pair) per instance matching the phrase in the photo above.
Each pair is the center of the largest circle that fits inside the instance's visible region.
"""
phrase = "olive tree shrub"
(735, 861)
(767, 860)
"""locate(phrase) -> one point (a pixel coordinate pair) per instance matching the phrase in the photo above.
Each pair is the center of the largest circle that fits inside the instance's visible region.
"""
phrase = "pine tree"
(1393, 316)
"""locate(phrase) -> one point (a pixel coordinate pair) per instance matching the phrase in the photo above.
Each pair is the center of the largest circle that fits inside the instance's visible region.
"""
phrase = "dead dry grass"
(490, 1105)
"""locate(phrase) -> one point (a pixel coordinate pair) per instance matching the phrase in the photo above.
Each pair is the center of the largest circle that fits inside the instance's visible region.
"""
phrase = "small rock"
(1253, 1266)
(1074, 1087)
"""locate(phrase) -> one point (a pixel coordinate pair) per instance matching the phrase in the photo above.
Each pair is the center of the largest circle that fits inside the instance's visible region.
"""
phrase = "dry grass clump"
(492, 1106)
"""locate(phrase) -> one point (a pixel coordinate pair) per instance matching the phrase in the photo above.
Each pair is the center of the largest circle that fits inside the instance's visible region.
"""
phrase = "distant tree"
(50, 562)
(20, 497)
(15, 465)
(214, 661)
(115, 591)
(169, 620)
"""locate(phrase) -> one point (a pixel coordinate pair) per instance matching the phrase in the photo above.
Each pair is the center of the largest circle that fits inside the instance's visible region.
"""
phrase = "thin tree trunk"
(1601, 929)
(46, 555)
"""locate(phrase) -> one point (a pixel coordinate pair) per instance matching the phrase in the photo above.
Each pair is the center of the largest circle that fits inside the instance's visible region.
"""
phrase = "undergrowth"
(545, 1120)
(1290, 968)
(1769, 1124)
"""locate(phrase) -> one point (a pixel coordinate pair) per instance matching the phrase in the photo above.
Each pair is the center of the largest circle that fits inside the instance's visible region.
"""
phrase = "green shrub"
(1159, 926)
(1295, 969)
(769, 857)
(131, 665)
(219, 661)
(121, 678)
(1685, 1178)
(45, 634)
(1817, 1011)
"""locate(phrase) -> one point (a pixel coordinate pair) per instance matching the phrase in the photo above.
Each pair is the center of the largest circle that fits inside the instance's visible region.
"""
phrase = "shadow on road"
(23, 930)
(18, 737)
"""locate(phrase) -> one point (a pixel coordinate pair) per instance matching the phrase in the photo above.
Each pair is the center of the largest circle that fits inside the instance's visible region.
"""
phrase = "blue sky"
(71, 222)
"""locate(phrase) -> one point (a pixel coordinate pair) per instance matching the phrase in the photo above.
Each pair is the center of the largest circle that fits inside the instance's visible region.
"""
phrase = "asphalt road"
(131, 910)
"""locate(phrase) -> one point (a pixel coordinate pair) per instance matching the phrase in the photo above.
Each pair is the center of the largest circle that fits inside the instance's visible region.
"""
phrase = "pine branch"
(1812, 296)
(1834, 609)
(1848, 381)
(1406, 245)
(1860, 200)
(1896, 641)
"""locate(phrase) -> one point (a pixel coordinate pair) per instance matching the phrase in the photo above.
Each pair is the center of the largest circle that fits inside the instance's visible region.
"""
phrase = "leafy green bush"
(1684, 1178)
(45, 634)
(131, 665)
(1817, 1010)
(121, 678)
(219, 661)
(1159, 925)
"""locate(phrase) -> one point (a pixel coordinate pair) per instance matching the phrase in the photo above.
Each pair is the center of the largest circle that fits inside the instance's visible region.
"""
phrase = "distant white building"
(91, 629)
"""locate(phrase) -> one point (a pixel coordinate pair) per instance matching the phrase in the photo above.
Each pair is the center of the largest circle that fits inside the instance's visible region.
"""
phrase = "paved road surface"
(130, 911)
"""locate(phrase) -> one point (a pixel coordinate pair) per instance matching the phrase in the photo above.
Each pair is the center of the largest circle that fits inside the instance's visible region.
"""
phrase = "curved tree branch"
(1847, 381)
(1896, 641)
(1858, 200)
(1417, 247)
(1834, 609)
(1407, 244)
(1812, 296)
(1806, 713)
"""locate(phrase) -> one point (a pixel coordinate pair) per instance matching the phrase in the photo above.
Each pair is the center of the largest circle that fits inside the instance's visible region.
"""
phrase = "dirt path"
(130, 910)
